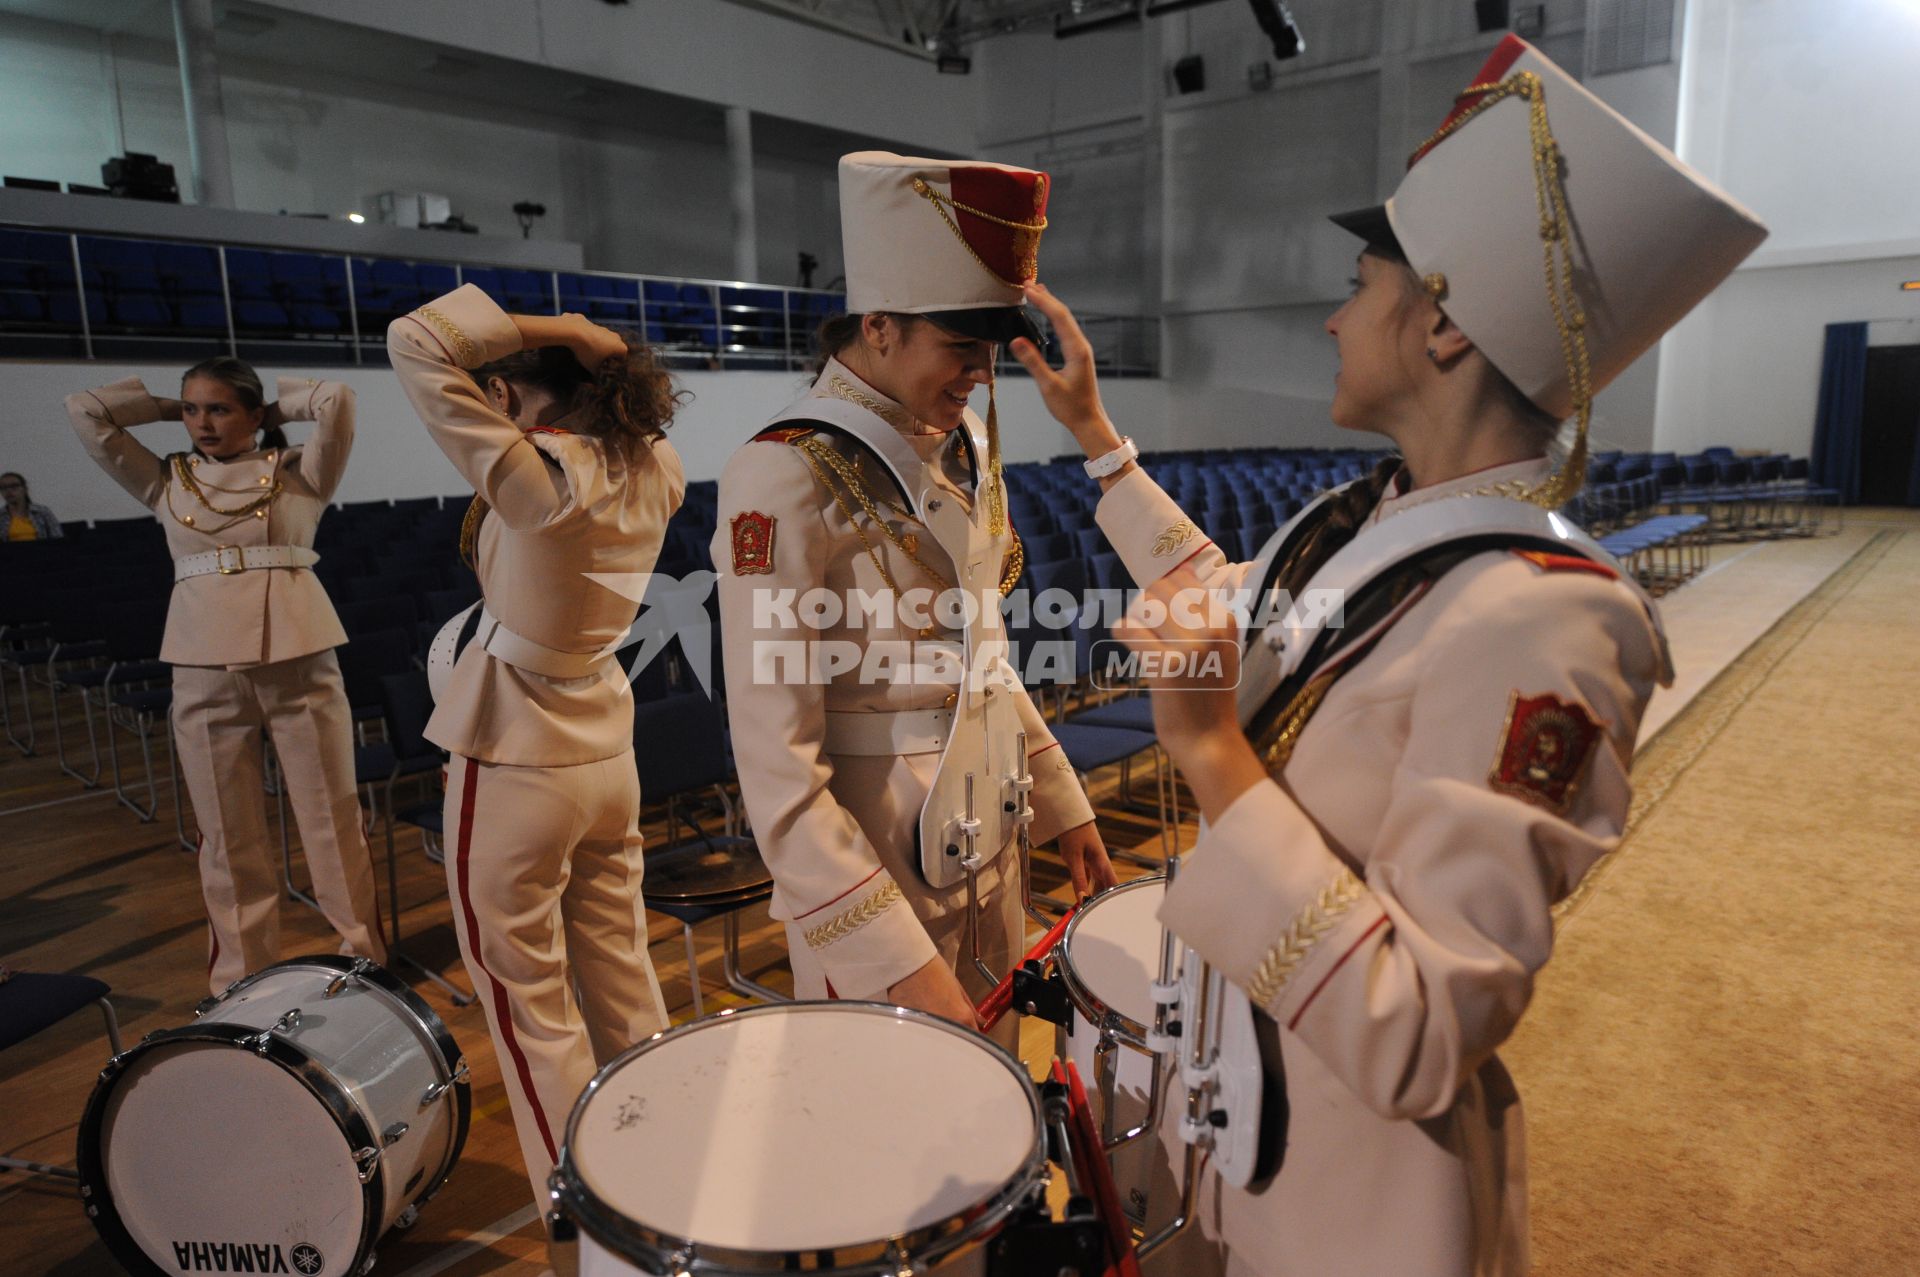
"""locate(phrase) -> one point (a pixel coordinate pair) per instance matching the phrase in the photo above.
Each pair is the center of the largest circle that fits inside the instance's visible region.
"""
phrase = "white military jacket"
(560, 506)
(240, 618)
(1387, 898)
(837, 831)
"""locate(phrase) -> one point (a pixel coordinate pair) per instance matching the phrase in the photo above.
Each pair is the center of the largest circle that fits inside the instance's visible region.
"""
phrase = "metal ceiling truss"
(929, 29)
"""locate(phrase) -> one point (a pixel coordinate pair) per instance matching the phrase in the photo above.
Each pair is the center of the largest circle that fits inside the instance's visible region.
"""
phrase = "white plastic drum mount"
(313, 1105)
(849, 1138)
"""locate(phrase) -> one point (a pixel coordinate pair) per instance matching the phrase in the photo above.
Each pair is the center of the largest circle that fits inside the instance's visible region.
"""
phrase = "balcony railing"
(71, 295)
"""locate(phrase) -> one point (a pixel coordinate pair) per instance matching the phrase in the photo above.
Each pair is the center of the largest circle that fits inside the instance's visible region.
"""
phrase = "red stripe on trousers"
(502, 1014)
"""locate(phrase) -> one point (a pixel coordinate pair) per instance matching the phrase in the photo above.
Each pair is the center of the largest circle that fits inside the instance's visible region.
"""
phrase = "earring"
(1433, 354)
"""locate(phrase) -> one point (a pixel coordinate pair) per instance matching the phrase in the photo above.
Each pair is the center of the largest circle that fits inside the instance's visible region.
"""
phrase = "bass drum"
(826, 1137)
(309, 1108)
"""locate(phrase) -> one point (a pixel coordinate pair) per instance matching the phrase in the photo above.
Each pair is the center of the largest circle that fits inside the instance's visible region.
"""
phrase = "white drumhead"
(804, 1128)
(208, 1146)
(1114, 949)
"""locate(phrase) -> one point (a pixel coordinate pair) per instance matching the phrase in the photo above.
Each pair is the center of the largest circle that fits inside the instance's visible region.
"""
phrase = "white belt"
(889, 733)
(537, 658)
(230, 560)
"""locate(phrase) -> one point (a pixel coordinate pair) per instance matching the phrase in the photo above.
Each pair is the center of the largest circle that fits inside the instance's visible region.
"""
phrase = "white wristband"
(1100, 467)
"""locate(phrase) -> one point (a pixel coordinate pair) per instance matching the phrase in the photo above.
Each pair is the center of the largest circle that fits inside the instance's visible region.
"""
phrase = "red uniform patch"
(1567, 563)
(1543, 750)
(752, 543)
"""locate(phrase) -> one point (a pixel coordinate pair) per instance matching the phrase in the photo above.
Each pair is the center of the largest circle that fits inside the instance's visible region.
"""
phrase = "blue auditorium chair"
(260, 316)
(530, 292)
(141, 310)
(486, 280)
(249, 275)
(679, 748)
(435, 278)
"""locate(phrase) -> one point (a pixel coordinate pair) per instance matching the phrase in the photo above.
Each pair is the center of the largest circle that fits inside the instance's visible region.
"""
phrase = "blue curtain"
(1836, 428)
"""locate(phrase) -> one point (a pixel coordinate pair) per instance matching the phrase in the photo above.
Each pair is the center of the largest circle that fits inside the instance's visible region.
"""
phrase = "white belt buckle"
(239, 559)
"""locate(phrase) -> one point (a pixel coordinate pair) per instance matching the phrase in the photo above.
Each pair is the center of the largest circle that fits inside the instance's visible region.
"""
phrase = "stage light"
(1190, 74)
(525, 211)
(1278, 23)
(356, 218)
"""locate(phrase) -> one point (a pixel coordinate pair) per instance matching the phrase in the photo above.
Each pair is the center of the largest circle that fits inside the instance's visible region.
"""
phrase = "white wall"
(315, 140)
(705, 49)
(393, 456)
(1813, 121)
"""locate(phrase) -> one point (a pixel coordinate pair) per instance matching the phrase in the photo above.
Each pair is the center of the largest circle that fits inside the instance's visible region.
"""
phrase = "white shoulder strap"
(894, 452)
(1281, 645)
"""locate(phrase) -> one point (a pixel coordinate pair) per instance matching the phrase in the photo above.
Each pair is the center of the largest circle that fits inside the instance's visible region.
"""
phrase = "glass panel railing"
(65, 295)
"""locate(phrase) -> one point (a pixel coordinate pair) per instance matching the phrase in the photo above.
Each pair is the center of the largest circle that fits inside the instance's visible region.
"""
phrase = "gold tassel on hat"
(996, 482)
(1556, 239)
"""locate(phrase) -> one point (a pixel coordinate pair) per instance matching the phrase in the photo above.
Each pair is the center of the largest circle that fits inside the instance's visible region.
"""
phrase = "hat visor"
(1372, 225)
(988, 323)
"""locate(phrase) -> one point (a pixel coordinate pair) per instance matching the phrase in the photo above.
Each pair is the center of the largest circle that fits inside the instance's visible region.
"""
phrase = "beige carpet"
(1722, 1063)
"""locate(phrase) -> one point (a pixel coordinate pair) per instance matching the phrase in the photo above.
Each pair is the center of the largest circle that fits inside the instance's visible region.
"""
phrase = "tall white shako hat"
(1561, 239)
(951, 240)
(954, 240)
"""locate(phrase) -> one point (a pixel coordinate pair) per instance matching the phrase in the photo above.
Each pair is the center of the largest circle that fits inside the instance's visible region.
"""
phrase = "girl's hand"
(591, 344)
(1072, 394)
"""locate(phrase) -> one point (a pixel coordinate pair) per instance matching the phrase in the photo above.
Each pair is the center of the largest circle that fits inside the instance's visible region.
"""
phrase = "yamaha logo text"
(247, 1257)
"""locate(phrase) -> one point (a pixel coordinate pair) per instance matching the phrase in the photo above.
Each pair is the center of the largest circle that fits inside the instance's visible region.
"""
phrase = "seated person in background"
(25, 520)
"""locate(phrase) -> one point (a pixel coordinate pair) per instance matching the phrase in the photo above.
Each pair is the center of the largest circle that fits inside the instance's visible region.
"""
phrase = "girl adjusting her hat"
(559, 425)
(1394, 807)
(880, 482)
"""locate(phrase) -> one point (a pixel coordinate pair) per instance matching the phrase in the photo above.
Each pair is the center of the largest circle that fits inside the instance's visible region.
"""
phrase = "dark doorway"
(1890, 427)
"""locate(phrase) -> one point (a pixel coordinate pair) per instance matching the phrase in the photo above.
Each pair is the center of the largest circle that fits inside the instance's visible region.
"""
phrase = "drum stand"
(1186, 1035)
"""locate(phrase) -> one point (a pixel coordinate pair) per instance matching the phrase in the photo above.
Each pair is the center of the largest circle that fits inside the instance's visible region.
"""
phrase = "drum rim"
(451, 1062)
(347, 1115)
(637, 1243)
(1088, 1003)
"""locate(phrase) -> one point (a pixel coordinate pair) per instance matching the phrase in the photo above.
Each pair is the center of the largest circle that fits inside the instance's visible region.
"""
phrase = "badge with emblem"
(1543, 750)
(752, 543)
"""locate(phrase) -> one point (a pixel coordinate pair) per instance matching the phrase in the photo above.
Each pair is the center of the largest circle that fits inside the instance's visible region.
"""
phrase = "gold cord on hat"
(1556, 238)
(1026, 235)
(996, 479)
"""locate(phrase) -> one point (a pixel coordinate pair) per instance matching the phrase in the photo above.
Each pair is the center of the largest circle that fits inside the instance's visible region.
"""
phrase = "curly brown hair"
(627, 403)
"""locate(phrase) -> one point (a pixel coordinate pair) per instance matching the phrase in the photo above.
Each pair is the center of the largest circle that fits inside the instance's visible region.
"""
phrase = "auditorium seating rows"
(150, 291)
(81, 617)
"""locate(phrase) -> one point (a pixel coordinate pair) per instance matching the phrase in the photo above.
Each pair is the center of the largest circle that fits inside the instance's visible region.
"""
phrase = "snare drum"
(831, 1137)
(309, 1108)
(1109, 957)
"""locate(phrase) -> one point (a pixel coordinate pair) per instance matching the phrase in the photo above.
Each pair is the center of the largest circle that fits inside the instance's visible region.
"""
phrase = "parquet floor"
(86, 887)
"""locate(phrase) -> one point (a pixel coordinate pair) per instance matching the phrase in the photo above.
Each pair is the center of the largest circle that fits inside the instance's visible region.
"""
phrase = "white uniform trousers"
(544, 868)
(219, 716)
(1002, 945)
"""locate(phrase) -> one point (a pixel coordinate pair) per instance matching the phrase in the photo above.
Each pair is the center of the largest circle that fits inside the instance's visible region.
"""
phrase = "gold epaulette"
(784, 434)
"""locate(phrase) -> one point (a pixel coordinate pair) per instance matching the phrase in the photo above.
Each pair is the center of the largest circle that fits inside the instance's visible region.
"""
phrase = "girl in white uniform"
(250, 634)
(573, 475)
(1388, 829)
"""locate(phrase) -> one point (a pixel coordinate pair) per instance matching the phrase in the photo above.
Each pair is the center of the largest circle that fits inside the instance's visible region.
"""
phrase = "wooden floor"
(86, 887)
